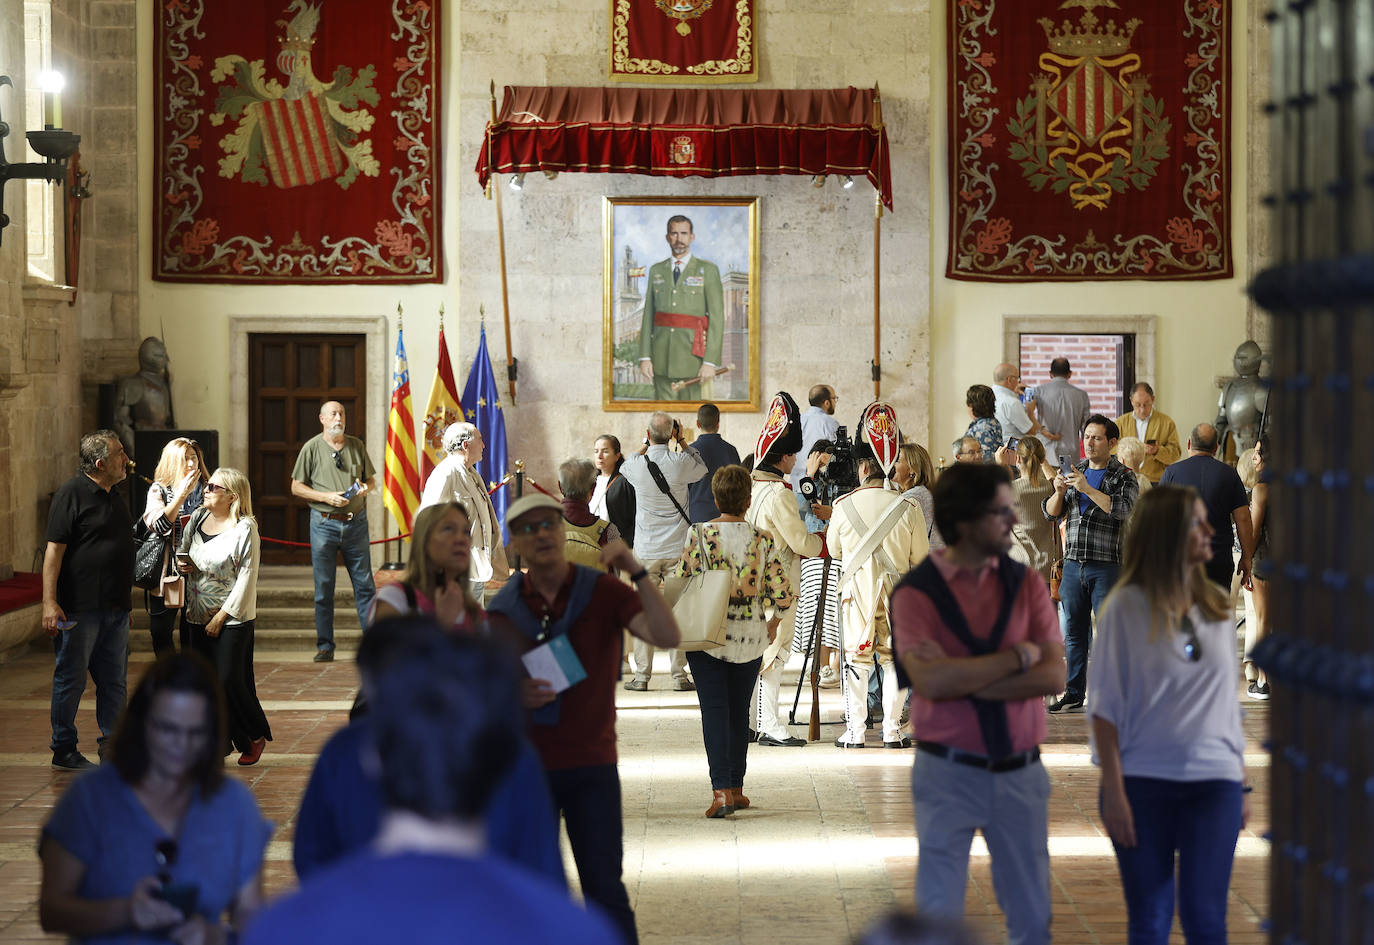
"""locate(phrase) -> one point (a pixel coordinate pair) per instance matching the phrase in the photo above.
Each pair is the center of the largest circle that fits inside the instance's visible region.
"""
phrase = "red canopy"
(689, 133)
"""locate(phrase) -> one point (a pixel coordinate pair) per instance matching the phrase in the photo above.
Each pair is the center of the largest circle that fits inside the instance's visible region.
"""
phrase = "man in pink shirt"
(979, 641)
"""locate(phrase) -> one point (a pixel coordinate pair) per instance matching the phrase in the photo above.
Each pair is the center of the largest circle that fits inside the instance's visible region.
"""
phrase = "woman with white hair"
(220, 550)
(456, 480)
(1130, 452)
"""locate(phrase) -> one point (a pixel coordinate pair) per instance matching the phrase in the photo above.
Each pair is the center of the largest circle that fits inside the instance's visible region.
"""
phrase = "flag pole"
(399, 564)
(877, 264)
(501, 243)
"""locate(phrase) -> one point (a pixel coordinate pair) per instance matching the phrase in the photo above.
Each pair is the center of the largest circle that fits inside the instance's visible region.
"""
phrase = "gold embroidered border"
(625, 68)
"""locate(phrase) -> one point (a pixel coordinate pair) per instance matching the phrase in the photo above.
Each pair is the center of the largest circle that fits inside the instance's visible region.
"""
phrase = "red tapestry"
(297, 141)
(1089, 139)
(684, 42)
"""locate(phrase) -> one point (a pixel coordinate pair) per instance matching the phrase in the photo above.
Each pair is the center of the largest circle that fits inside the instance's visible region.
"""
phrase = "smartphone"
(182, 896)
(352, 490)
(66, 624)
(1013, 442)
(183, 556)
(1152, 442)
(1065, 465)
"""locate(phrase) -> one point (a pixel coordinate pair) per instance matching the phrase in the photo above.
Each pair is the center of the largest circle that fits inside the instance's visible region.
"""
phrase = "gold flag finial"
(482, 314)
(399, 315)
(441, 314)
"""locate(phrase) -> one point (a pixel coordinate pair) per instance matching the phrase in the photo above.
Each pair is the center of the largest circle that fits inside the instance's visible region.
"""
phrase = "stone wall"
(816, 245)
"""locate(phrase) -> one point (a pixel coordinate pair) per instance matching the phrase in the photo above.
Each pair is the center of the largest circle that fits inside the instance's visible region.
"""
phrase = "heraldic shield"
(683, 10)
(1090, 127)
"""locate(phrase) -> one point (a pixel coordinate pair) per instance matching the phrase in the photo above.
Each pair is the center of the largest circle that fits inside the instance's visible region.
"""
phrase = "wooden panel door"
(289, 377)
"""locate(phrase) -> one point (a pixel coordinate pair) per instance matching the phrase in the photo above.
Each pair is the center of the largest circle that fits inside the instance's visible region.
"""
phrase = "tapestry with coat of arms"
(684, 42)
(297, 141)
(1089, 140)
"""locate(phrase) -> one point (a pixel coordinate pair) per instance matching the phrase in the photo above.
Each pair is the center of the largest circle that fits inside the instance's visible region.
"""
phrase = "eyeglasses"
(1192, 647)
(216, 487)
(338, 460)
(532, 528)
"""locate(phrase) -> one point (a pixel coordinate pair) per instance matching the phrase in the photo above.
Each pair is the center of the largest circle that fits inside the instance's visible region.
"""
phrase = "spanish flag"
(400, 484)
(444, 408)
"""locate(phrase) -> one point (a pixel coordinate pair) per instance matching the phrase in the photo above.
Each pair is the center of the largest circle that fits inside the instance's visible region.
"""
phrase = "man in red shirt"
(980, 642)
(574, 730)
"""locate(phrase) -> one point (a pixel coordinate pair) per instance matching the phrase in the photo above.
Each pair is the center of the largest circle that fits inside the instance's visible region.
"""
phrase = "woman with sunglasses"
(1165, 723)
(158, 845)
(177, 489)
(219, 550)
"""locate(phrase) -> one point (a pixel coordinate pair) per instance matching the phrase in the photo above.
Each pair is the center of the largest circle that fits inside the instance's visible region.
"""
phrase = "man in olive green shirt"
(684, 320)
(333, 474)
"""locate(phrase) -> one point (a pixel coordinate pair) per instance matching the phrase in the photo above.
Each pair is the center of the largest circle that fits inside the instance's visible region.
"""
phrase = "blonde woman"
(914, 474)
(176, 492)
(220, 550)
(435, 581)
(1251, 469)
(1165, 724)
(1130, 452)
(1030, 489)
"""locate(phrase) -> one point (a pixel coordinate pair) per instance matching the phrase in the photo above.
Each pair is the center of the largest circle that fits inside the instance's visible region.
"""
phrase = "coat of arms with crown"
(684, 10)
(1090, 127)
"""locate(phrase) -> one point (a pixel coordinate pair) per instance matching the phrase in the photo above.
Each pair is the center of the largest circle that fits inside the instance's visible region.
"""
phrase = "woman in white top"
(219, 553)
(725, 676)
(1165, 723)
(914, 474)
(177, 489)
(435, 581)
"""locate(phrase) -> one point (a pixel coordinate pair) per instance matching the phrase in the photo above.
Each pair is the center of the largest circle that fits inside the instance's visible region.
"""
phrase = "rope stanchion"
(306, 544)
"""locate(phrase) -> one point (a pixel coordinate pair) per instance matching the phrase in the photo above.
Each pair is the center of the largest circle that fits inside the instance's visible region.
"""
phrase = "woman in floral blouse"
(725, 676)
(219, 550)
(984, 427)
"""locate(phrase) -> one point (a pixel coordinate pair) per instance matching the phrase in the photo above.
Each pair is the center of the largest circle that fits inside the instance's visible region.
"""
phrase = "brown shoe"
(722, 803)
(254, 752)
(738, 799)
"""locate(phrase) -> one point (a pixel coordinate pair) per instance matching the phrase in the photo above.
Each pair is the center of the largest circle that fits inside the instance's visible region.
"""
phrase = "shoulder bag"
(1057, 566)
(662, 483)
(150, 560)
(700, 602)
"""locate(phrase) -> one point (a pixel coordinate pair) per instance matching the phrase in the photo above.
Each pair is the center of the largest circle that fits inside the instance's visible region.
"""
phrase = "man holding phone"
(1095, 496)
(1156, 430)
(334, 475)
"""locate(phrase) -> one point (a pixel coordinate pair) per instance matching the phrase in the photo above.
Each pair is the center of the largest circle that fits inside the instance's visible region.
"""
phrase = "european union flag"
(482, 408)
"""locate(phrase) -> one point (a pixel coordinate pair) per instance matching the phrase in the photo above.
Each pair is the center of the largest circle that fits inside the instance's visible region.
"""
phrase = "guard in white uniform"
(879, 536)
(773, 509)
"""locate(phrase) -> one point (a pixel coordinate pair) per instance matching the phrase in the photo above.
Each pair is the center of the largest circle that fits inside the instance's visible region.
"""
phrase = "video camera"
(835, 478)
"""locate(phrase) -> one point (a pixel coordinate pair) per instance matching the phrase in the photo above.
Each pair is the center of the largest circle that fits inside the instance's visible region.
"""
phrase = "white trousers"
(767, 689)
(856, 671)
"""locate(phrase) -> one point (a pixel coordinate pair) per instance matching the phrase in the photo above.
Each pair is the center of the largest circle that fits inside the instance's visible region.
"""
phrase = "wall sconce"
(54, 144)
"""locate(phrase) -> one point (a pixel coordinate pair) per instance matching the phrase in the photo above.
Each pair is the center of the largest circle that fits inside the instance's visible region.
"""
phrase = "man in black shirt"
(717, 453)
(88, 570)
(1223, 493)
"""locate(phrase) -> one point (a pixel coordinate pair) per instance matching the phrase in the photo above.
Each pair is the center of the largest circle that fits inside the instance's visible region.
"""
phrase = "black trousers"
(588, 800)
(162, 620)
(723, 690)
(232, 655)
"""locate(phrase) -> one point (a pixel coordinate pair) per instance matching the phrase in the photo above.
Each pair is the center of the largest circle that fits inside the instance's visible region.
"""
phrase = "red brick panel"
(1093, 358)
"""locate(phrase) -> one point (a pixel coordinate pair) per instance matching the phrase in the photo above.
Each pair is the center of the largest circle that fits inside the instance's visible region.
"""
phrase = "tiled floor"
(827, 847)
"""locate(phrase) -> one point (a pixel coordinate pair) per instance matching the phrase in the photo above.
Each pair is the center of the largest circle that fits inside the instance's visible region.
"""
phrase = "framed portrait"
(681, 311)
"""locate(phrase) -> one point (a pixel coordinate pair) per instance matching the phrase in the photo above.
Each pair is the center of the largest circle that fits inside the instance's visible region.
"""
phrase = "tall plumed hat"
(781, 431)
(878, 428)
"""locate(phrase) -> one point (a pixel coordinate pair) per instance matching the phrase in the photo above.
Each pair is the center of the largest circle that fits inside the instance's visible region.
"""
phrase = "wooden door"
(289, 377)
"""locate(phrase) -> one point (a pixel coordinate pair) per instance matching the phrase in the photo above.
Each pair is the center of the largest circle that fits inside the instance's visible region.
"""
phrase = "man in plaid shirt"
(1097, 496)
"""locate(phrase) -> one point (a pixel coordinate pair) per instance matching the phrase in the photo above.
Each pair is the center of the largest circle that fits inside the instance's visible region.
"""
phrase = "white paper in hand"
(556, 662)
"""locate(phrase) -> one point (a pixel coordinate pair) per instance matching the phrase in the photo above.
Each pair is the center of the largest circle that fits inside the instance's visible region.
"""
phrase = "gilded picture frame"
(701, 316)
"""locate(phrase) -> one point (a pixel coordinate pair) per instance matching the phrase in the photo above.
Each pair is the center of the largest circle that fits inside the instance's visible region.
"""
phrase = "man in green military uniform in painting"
(684, 319)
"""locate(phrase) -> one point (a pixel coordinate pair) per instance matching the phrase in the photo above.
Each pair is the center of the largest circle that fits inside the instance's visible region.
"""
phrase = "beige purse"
(700, 603)
(173, 591)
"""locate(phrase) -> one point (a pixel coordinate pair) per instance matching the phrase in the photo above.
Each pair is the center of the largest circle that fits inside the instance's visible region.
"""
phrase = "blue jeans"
(98, 644)
(1082, 590)
(951, 802)
(329, 537)
(723, 691)
(1198, 819)
(588, 799)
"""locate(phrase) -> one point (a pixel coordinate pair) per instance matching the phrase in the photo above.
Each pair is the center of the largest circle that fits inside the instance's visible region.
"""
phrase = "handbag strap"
(662, 484)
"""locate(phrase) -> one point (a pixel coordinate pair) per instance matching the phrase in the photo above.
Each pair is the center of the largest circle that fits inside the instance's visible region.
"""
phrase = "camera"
(835, 478)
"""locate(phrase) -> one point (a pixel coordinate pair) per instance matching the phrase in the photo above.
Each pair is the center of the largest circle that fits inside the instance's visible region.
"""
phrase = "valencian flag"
(442, 410)
(400, 485)
(482, 408)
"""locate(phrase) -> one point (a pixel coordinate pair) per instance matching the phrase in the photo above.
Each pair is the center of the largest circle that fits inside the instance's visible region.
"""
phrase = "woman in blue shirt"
(158, 846)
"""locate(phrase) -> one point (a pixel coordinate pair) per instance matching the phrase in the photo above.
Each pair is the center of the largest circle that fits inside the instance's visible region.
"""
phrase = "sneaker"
(1257, 691)
(324, 656)
(829, 678)
(637, 685)
(684, 685)
(1067, 703)
(72, 760)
